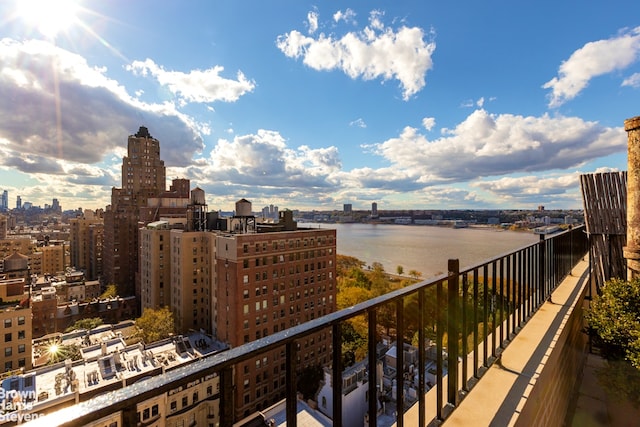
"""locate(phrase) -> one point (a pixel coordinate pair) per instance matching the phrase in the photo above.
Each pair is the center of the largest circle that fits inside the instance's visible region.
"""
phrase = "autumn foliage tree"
(110, 292)
(155, 324)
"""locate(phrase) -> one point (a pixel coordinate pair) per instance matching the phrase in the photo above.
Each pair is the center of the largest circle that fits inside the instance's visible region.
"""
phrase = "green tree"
(614, 320)
(110, 292)
(155, 324)
(87, 324)
(399, 270)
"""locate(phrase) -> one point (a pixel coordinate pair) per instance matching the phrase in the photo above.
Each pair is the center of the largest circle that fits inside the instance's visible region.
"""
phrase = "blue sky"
(413, 104)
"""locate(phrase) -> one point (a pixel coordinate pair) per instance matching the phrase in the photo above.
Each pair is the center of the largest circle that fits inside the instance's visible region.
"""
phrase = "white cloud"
(592, 60)
(197, 85)
(358, 123)
(347, 16)
(63, 109)
(555, 189)
(265, 162)
(312, 18)
(492, 145)
(375, 52)
(428, 123)
(633, 81)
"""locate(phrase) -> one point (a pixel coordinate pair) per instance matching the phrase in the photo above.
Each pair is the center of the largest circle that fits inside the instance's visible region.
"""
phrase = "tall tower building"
(143, 177)
(4, 202)
(18, 202)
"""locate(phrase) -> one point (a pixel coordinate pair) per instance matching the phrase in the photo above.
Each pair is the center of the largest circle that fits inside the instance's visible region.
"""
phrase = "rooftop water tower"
(198, 210)
(244, 221)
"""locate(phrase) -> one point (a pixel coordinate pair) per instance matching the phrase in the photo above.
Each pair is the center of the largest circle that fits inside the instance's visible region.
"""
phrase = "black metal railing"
(461, 320)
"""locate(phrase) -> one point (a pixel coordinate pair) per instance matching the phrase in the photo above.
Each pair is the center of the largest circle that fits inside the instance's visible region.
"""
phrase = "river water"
(425, 248)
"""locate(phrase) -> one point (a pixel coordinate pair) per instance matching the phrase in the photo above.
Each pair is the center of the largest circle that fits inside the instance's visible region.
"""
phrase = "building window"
(7, 337)
(8, 351)
(7, 323)
(21, 348)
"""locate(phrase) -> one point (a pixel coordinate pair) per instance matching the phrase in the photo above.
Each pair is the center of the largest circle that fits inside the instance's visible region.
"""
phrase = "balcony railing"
(479, 310)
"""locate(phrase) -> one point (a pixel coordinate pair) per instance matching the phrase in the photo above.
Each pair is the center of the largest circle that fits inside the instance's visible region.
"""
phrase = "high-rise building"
(242, 283)
(374, 210)
(84, 237)
(192, 266)
(143, 177)
(268, 281)
(347, 208)
(55, 206)
(4, 201)
(18, 202)
(96, 242)
(177, 263)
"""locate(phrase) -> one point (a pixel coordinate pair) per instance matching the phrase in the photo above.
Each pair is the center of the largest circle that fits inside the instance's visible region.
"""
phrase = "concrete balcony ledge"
(535, 377)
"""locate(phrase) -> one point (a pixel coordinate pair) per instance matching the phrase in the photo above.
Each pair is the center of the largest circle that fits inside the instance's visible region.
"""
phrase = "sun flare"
(47, 16)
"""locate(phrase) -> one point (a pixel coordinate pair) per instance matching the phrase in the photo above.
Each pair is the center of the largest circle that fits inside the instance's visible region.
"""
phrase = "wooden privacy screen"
(605, 212)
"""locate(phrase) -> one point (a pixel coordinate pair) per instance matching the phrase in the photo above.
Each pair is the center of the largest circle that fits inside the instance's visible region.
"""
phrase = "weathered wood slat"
(604, 197)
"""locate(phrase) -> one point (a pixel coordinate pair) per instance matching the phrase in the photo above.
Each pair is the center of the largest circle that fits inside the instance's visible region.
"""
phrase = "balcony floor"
(595, 406)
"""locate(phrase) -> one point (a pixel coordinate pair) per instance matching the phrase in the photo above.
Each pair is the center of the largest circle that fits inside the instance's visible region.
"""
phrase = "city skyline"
(303, 106)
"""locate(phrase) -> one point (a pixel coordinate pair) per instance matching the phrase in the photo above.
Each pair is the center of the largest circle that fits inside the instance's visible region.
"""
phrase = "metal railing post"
(373, 369)
(421, 359)
(400, 361)
(290, 377)
(452, 331)
(337, 373)
(226, 397)
(542, 259)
